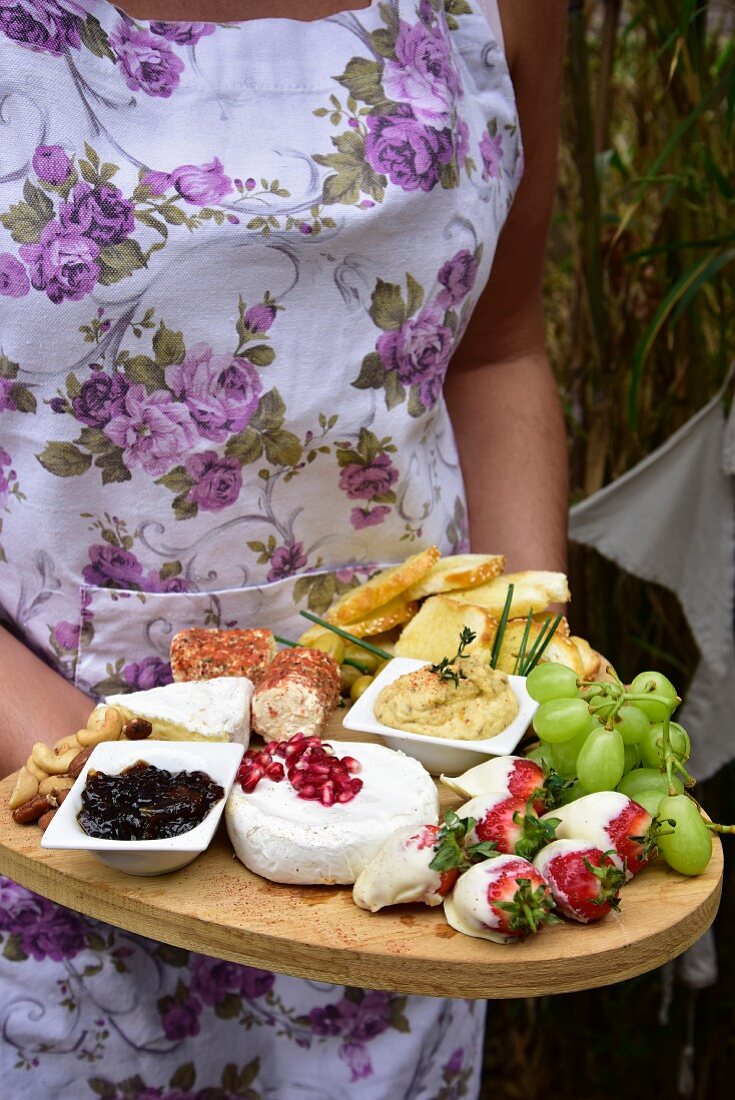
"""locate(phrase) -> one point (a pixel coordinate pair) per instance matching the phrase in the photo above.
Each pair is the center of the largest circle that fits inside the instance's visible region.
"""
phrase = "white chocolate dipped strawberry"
(418, 865)
(610, 820)
(512, 775)
(503, 899)
(585, 882)
(509, 823)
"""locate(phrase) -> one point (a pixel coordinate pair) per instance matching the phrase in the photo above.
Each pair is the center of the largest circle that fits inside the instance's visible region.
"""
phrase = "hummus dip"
(480, 705)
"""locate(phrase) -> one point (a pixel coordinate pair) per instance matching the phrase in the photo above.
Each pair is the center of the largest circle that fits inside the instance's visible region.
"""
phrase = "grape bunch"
(606, 736)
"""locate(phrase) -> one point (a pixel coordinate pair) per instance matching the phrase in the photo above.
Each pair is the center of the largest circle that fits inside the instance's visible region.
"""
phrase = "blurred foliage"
(640, 294)
(641, 278)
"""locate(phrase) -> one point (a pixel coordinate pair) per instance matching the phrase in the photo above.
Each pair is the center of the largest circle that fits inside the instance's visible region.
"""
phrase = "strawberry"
(610, 820)
(418, 865)
(503, 899)
(585, 882)
(509, 823)
(513, 775)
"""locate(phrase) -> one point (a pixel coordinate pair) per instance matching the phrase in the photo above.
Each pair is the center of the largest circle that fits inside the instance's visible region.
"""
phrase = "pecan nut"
(45, 820)
(79, 761)
(31, 810)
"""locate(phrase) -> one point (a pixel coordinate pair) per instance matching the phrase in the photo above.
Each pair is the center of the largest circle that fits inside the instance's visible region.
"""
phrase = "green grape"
(561, 719)
(652, 743)
(647, 779)
(649, 800)
(631, 723)
(571, 794)
(541, 755)
(551, 681)
(654, 683)
(632, 757)
(689, 847)
(564, 753)
(601, 760)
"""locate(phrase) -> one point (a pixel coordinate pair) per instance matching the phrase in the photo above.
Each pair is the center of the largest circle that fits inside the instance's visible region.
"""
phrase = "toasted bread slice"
(457, 571)
(559, 649)
(562, 629)
(591, 659)
(434, 632)
(533, 591)
(394, 613)
(386, 640)
(359, 603)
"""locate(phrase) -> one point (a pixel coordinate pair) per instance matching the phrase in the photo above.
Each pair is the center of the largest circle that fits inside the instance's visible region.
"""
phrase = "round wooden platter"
(219, 908)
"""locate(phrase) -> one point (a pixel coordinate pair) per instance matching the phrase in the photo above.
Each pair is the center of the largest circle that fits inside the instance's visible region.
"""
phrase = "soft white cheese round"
(285, 838)
(400, 872)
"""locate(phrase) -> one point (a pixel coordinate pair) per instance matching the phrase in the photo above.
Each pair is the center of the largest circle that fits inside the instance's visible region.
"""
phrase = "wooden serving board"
(219, 908)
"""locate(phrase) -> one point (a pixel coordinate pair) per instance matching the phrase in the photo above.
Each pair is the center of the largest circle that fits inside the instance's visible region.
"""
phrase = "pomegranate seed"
(351, 764)
(298, 781)
(345, 796)
(264, 758)
(308, 791)
(356, 785)
(327, 794)
(275, 771)
(318, 770)
(252, 779)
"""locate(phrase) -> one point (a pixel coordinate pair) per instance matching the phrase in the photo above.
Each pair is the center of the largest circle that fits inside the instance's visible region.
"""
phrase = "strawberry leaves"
(452, 851)
(529, 908)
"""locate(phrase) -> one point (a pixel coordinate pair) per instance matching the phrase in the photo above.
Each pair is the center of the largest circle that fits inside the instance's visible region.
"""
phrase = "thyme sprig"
(444, 669)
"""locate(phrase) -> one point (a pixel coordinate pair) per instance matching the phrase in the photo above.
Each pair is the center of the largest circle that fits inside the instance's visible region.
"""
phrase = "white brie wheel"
(289, 839)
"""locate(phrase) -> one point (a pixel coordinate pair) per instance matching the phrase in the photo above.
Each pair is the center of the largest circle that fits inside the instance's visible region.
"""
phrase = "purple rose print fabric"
(231, 291)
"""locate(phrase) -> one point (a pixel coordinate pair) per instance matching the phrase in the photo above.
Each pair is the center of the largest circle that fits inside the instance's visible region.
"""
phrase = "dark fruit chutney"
(146, 803)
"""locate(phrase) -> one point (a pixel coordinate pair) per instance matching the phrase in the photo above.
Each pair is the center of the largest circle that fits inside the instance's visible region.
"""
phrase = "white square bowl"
(219, 761)
(439, 755)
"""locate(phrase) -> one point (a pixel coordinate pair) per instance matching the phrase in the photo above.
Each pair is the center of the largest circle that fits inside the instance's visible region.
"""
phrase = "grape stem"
(720, 828)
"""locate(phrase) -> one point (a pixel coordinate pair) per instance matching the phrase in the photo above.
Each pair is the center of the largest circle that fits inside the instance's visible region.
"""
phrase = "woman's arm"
(31, 688)
(500, 390)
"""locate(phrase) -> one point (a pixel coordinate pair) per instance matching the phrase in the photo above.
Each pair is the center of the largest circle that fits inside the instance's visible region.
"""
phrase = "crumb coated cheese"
(297, 694)
(202, 654)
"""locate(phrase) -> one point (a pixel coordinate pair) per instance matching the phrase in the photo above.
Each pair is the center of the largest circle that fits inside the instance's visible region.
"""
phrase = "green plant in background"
(640, 295)
(641, 277)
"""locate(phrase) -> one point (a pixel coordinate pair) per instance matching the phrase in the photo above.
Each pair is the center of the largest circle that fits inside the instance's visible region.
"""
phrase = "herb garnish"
(444, 669)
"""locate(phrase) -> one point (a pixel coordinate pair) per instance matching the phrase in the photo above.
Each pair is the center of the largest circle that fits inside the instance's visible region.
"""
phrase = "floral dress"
(234, 263)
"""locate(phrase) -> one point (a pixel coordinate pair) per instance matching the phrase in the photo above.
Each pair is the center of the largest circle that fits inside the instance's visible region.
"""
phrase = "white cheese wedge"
(285, 838)
(193, 710)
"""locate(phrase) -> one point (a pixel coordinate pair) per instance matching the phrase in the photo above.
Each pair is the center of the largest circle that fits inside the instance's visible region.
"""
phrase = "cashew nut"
(33, 768)
(65, 744)
(45, 757)
(55, 783)
(103, 724)
(26, 786)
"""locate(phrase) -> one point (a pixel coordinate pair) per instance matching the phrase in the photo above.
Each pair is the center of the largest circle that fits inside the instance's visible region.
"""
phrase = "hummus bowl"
(439, 755)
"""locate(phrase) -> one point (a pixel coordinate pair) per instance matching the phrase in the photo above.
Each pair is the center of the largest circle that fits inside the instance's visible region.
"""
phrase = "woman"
(236, 258)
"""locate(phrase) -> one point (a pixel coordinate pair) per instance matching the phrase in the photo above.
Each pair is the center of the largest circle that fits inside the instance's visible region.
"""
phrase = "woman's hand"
(37, 704)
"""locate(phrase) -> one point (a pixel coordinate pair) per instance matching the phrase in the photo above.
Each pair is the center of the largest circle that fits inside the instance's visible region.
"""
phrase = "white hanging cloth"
(671, 520)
